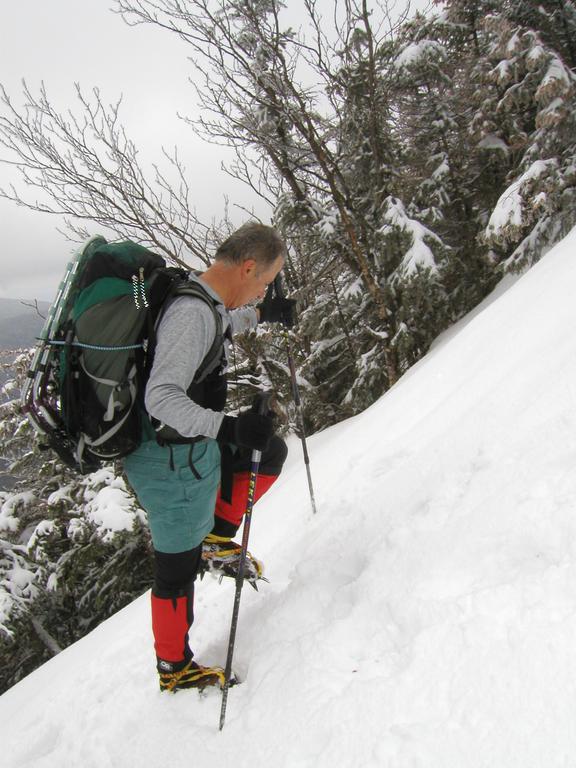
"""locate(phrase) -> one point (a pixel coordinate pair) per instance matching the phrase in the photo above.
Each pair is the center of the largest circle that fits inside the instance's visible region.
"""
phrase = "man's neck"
(221, 279)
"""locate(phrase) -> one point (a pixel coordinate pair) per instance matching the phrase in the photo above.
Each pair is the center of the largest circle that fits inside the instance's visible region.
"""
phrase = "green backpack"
(86, 382)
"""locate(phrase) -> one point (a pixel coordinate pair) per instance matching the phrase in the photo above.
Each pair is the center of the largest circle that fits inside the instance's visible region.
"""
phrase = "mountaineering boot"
(177, 676)
(222, 555)
(172, 617)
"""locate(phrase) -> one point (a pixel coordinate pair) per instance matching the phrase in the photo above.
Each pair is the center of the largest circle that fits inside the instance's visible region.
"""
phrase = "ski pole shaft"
(297, 401)
(263, 408)
(300, 416)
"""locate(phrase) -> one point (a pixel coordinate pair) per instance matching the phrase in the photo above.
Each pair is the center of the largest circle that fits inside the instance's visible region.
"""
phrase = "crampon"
(179, 677)
(221, 557)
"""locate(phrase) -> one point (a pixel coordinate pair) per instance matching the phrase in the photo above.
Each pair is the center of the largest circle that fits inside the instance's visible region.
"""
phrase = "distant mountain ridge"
(20, 322)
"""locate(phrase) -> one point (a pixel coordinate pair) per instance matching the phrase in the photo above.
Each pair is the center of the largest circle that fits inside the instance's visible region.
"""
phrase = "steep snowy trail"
(424, 618)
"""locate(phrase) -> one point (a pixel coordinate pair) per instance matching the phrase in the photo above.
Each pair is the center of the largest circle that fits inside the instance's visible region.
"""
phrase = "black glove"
(277, 310)
(248, 430)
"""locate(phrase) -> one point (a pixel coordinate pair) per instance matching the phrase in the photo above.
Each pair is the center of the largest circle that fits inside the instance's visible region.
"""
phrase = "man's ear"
(249, 267)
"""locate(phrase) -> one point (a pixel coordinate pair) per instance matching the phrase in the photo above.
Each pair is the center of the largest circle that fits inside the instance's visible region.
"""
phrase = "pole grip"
(278, 287)
(261, 406)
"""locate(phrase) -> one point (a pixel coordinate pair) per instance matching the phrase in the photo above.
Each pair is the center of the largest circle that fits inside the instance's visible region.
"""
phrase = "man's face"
(255, 279)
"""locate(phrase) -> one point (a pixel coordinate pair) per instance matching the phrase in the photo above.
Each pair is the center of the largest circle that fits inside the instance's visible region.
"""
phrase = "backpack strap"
(211, 362)
(214, 354)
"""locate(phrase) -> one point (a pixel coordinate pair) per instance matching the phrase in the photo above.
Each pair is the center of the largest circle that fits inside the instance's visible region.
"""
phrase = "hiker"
(192, 470)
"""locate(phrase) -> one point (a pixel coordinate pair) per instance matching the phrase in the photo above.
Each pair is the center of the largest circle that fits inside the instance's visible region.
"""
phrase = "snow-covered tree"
(554, 20)
(73, 550)
(448, 179)
(533, 106)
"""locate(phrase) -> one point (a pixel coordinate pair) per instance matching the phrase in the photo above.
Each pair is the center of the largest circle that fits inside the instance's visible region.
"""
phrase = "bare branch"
(84, 168)
(34, 306)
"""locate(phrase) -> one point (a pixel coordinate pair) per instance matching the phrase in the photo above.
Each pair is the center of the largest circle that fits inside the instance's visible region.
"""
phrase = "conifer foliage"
(73, 550)
(532, 71)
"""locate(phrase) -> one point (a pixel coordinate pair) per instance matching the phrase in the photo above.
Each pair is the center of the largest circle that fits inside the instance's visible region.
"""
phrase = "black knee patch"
(175, 572)
(272, 460)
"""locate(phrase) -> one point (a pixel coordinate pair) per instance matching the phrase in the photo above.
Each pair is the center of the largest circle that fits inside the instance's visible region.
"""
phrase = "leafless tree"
(86, 169)
(275, 94)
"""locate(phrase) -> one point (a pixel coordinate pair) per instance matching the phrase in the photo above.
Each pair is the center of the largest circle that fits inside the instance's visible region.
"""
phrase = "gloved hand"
(277, 310)
(248, 430)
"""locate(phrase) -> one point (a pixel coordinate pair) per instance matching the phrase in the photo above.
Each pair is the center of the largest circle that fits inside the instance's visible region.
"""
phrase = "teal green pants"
(177, 491)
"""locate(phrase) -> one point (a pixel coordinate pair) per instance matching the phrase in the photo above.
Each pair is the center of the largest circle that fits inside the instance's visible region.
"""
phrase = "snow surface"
(424, 618)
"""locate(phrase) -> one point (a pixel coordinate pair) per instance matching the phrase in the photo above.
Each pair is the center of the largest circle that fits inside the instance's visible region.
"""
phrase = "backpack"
(85, 386)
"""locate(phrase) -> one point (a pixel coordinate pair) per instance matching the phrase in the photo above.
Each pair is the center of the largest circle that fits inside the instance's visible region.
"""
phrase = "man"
(178, 473)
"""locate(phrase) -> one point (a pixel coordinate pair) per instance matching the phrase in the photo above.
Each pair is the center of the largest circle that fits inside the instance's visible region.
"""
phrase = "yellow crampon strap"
(235, 549)
(168, 681)
(213, 539)
(221, 553)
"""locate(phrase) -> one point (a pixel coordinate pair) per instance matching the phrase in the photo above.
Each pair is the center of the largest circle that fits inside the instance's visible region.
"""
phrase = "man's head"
(252, 241)
(252, 256)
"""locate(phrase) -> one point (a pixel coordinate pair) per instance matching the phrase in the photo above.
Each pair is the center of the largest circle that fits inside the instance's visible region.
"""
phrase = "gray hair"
(252, 241)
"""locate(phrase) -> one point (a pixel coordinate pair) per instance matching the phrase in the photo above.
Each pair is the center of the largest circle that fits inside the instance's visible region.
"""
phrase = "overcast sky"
(61, 42)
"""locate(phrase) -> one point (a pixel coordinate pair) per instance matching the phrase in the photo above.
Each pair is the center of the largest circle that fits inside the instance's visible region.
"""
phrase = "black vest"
(209, 387)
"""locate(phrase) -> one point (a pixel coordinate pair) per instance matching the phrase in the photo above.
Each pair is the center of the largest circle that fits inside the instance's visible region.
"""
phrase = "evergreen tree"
(64, 567)
(535, 112)
(554, 20)
(448, 178)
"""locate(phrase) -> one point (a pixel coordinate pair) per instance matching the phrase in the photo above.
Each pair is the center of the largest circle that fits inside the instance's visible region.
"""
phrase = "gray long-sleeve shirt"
(184, 337)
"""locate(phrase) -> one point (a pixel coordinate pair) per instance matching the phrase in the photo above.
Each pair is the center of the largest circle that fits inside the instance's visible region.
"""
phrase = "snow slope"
(424, 618)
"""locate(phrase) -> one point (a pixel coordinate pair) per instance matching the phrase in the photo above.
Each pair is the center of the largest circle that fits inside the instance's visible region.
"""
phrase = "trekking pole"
(263, 408)
(296, 396)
